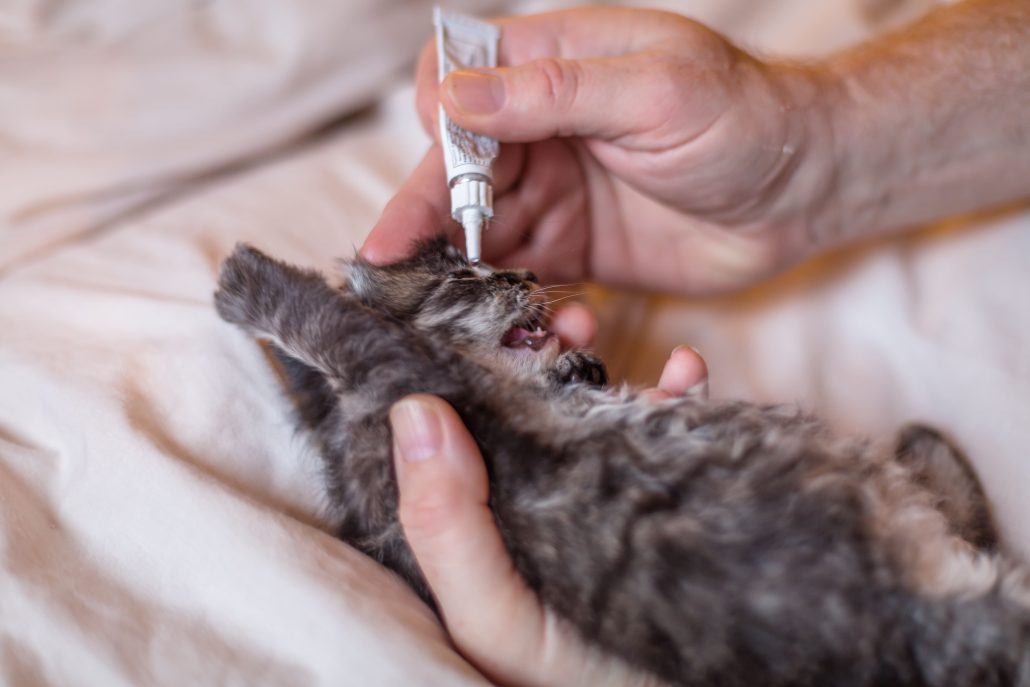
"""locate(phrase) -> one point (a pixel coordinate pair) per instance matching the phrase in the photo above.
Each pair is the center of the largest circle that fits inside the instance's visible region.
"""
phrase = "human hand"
(643, 150)
(494, 619)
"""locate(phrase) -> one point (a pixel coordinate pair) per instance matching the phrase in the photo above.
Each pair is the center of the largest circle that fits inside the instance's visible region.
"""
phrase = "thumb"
(602, 98)
(443, 510)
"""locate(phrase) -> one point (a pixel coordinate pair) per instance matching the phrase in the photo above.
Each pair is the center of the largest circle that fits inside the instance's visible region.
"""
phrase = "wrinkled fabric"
(162, 522)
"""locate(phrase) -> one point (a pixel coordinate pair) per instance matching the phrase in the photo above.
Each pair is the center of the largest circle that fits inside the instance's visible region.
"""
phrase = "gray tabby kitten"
(712, 543)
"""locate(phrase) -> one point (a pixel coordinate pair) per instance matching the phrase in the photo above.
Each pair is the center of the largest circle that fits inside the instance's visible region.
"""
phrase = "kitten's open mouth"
(529, 333)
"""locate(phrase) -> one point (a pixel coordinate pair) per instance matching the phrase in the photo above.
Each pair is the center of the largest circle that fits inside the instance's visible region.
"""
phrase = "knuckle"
(668, 80)
(667, 84)
(560, 82)
(425, 519)
(427, 58)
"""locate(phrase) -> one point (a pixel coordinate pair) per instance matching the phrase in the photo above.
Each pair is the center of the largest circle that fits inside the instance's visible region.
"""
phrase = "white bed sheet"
(160, 518)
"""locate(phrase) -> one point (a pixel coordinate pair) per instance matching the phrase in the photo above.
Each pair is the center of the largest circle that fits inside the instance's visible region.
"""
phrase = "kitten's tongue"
(517, 337)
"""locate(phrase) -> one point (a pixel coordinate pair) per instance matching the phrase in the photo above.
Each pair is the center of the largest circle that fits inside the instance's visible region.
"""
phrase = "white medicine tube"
(466, 43)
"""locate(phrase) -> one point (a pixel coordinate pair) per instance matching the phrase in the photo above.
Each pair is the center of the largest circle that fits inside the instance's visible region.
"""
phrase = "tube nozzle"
(472, 221)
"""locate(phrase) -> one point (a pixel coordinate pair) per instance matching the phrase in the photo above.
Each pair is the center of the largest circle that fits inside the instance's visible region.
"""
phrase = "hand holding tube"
(645, 150)
(622, 165)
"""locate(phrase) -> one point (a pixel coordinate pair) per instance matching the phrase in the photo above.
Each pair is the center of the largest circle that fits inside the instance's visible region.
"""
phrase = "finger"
(492, 616)
(605, 98)
(654, 395)
(583, 33)
(507, 169)
(575, 325)
(555, 244)
(543, 223)
(420, 210)
(443, 509)
(685, 372)
(576, 34)
(427, 101)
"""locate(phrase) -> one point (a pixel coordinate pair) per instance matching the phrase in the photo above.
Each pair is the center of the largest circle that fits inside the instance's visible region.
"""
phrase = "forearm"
(930, 122)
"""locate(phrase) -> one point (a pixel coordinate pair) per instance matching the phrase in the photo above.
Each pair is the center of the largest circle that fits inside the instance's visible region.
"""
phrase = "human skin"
(643, 150)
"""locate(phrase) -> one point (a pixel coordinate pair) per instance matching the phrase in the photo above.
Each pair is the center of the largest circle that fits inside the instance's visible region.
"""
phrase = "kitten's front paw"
(251, 286)
(579, 367)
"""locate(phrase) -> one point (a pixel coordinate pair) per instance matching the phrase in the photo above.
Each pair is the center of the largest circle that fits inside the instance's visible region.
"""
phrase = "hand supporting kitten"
(495, 620)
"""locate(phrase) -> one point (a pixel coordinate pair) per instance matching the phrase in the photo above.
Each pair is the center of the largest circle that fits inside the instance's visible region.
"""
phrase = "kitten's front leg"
(296, 310)
(256, 292)
(578, 367)
(306, 319)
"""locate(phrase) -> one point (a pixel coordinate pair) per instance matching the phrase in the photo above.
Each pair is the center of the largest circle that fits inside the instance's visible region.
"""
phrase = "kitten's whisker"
(551, 287)
(563, 298)
(542, 312)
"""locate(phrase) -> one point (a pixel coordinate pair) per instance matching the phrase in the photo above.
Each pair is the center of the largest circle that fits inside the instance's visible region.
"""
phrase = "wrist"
(924, 124)
(805, 209)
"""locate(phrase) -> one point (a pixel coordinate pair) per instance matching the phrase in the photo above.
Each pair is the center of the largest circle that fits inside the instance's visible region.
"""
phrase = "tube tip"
(472, 222)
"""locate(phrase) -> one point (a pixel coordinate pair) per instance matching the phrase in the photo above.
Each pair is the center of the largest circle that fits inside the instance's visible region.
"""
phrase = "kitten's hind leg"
(942, 469)
(309, 389)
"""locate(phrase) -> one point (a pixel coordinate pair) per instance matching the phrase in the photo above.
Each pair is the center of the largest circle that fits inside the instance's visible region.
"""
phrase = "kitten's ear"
(400, 288)
(361, 278)
(439, 255)
(944, 470)
(397, 289)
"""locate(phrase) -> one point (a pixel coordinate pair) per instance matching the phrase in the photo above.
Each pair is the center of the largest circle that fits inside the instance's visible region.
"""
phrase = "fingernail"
(477, 93)
(685, 347)
(416, 430)
(699, 390)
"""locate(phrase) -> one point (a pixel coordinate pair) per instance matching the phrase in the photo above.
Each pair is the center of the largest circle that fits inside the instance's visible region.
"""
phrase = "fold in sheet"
(161, 520)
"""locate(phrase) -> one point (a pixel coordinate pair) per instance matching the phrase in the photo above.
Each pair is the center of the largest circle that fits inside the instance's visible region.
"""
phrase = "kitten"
(708, 542)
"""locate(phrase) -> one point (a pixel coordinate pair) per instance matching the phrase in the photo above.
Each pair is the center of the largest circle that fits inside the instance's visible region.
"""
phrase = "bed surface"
(161, 520)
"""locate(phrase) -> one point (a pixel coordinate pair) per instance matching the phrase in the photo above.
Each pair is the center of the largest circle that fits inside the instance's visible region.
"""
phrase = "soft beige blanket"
(160, 517)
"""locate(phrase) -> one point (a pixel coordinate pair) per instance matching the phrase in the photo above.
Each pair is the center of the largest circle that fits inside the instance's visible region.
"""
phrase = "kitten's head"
(496, 316)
